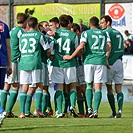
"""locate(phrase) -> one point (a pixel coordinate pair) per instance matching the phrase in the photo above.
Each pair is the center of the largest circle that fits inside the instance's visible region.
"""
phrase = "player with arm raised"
(94, 43)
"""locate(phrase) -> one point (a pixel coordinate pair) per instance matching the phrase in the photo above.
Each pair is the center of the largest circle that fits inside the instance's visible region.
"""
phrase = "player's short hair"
(126, 32)
(63, 20)
(55, 20)
(129, 40)
(41, 23)
(94, 21)
(70, 18)
(32, 22)
(75, 27)
(107, 19)
(39, 26)
(21, 18)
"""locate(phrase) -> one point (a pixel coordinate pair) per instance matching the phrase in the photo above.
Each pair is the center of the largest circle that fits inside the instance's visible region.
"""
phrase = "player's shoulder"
(17, 29)
(3, 27)
(2, 23)
(95, 31)
(63, 32)
(114, 31)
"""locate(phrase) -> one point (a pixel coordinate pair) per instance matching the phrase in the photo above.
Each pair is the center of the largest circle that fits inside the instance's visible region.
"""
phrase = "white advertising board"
(122, 16)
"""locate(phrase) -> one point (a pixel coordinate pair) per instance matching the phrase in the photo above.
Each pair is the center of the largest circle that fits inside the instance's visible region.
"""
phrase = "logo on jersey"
(117, 12)
(1, 27)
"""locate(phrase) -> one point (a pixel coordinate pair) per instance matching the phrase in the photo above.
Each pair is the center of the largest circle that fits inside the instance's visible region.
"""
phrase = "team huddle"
(80, 62)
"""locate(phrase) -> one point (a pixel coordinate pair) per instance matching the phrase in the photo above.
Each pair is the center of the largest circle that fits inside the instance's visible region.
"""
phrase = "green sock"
(97, 99)
(39, 94)
(55, 103)
(120, 98)
(66, 102)
(73, 95)
(80, 102)
(12, 100)
(111, 100)
(59, 100)
(4, 94)
(89, 94)
(49, 107)
(28, 103)
(86, 106)
(44, 103)
(23, 96)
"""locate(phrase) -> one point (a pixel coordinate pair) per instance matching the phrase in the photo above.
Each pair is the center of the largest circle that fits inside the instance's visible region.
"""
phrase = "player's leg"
(111, 99)
(66, 98)
(28, 102)
(97, 98)
(59, 99)
(23, 96)
(120, 97)
(2, 78)
(110, 95)
(89, 74)
(89, 97)
(100, 76)
(80, 96)
(12, 99)
(73, 96)
(46, 104)
(83, 86)
(59, 80)
(49, 106)
(118, 80)
(55, 104)
(4, 94)
(39, 95)
(80, 102)
(71, 78)
(14, 80)
(25, 80)
(37, 79)
(45, 100)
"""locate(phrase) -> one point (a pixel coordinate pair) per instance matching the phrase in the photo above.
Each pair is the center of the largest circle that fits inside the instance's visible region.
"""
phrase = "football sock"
(49, 107)
(55, 103)
(97, 99)
(44, 103)
(39, 94)
(73, 95)
(111, 100)
(80, 102)
(89, 94)
(12, 100)
(28, 103)
(86, 106)
(120, 98)
(59, 100)
(23, 96)
(66, 102)
(4, 94)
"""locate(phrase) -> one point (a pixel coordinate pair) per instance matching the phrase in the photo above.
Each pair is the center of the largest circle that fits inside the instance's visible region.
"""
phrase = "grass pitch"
(72, 125)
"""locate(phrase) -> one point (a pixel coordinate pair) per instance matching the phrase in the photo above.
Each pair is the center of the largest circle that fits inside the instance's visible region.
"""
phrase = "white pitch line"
(28, 127)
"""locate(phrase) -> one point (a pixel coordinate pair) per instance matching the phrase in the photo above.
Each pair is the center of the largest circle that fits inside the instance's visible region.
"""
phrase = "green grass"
(72, 125)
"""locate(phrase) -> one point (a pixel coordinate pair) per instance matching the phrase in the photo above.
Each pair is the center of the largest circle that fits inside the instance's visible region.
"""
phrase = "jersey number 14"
(65, 46)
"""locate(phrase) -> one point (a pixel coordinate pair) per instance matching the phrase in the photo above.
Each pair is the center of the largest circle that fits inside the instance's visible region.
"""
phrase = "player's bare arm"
(108, 50)
(69, 57)
(9, 68)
